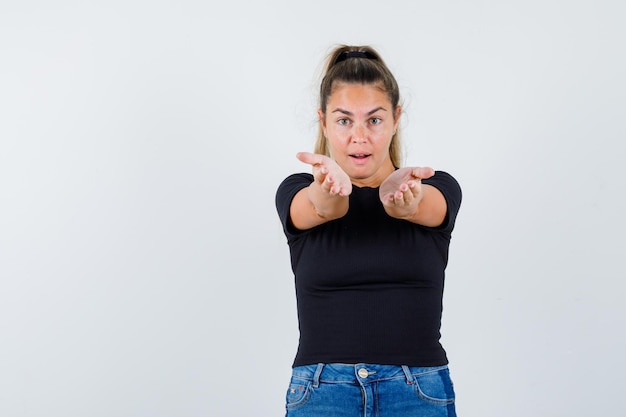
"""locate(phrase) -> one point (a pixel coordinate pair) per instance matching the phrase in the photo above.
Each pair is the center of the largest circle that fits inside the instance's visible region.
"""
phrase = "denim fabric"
(365, 390)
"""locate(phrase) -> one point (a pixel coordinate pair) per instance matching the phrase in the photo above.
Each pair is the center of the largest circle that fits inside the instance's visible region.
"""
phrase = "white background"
(143, 271)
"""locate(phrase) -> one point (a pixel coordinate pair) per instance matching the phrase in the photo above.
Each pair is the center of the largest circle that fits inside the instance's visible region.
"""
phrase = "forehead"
(358, 94)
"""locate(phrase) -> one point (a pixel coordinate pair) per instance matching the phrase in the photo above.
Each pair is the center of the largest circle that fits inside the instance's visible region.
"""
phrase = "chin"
(360, 177)
(358, 174)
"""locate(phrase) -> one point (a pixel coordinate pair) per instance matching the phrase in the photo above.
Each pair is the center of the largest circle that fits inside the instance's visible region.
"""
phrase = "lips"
(360, 155)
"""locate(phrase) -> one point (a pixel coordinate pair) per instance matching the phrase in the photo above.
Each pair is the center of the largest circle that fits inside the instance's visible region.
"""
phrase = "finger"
(414, 186)
(320, 173)
(310, 158)
(343, 192)
(334, 187)
(408, 191)
(398, 198)
(329, 183)
(422, 172)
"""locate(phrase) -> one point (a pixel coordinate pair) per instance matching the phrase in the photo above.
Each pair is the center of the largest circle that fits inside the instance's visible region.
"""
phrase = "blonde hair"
(358, 65)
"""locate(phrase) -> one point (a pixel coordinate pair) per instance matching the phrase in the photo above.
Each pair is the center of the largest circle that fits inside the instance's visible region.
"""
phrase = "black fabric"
(369, 287)
(354, 54)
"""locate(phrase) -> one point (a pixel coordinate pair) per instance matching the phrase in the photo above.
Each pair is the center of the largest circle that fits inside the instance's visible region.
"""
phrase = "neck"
(376, 179)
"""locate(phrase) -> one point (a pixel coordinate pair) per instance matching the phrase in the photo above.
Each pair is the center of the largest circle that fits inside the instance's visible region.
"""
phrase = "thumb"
(309, 158)
(422, 172)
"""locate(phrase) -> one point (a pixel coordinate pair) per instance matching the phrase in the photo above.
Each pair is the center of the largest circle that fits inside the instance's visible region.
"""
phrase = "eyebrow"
(348, 113)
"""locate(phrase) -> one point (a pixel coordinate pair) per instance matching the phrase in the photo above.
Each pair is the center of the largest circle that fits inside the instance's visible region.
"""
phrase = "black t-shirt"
(369, 287)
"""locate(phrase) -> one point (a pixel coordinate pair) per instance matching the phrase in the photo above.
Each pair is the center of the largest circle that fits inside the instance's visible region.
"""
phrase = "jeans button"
(363, 373)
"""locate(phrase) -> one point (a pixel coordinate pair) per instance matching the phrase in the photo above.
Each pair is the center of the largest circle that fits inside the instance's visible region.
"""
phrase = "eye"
(375, 121)
(343, 122)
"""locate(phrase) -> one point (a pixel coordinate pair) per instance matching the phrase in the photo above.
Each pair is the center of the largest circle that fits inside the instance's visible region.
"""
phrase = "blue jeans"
(364, 390)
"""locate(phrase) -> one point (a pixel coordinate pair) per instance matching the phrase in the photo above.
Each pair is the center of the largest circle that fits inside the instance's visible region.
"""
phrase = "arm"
(405, 197)
(326, 198)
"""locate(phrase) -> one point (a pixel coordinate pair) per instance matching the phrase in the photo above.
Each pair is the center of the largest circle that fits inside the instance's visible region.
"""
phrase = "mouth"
(360, 156)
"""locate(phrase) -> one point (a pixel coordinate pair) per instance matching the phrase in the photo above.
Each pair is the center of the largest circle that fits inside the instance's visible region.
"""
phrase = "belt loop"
(316, 375)
(407, 373)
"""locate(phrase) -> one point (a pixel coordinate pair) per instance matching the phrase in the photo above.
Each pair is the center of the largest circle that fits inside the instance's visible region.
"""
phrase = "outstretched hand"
(331, 178)
(401, 192)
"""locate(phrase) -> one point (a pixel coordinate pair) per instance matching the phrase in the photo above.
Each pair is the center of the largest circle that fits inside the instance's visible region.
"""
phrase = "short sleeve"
(451, 191)
(285, 194)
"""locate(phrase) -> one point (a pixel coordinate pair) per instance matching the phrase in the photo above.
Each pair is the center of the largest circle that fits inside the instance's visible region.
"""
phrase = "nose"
(358, 134)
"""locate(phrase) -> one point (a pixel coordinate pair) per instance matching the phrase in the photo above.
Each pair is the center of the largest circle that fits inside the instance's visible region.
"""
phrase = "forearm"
(312, 206)
(429, 208)
(327, 206)
(326, 198)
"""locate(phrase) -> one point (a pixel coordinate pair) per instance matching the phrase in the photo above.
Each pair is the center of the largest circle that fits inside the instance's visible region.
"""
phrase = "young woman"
(369, 246)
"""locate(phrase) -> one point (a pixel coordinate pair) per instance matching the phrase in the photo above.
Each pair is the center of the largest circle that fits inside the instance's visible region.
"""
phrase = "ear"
(322, 120)
(396, 118)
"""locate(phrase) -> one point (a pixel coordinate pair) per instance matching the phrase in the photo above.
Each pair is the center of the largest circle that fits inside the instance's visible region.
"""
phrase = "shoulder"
(292, 184)
(297, 178)
(287, 190)
(451, 190)
(445, 183)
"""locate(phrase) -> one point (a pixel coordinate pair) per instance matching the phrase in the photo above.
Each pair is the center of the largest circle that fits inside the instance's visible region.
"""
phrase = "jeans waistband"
(358, 373)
